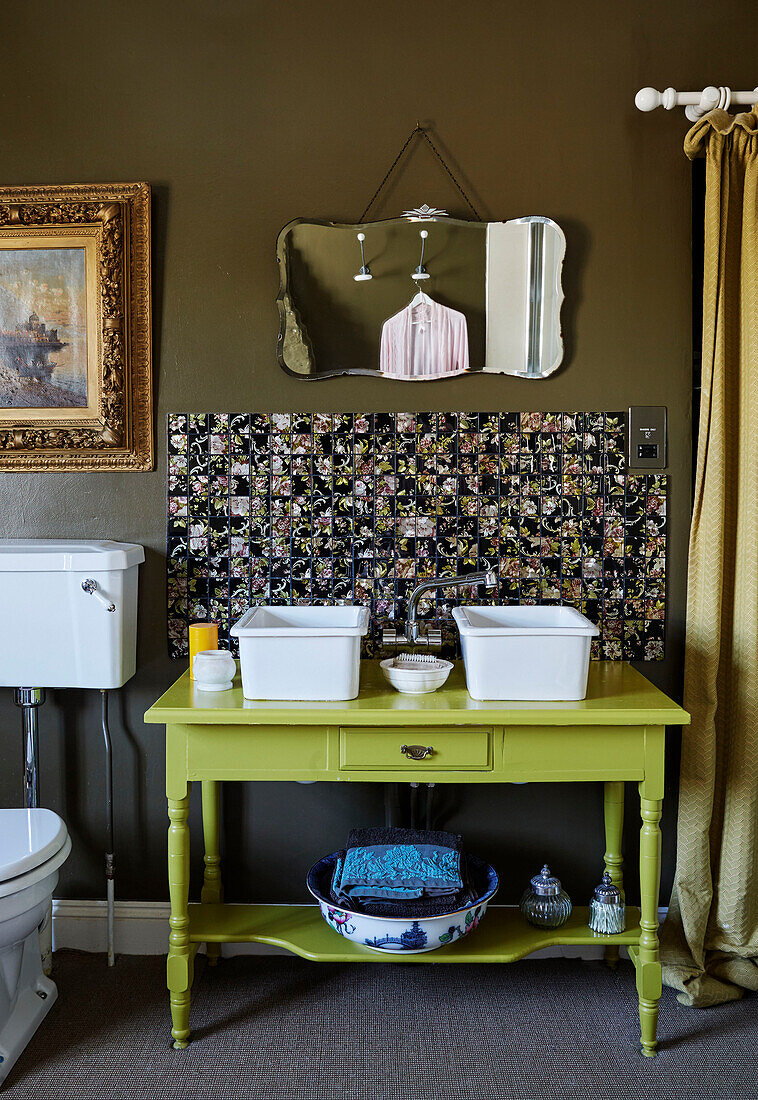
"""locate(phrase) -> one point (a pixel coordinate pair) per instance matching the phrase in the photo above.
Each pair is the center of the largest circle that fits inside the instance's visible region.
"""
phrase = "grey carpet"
(279, 1028)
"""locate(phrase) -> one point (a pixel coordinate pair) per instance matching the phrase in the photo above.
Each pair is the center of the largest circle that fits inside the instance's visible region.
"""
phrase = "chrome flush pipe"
(110, 864)
(412, 634)
(29, 700)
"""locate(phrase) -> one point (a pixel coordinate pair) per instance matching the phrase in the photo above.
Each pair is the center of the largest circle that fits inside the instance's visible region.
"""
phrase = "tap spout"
(486, 577)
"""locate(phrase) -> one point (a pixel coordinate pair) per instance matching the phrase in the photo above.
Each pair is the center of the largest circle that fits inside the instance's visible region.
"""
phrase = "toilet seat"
(34, 843)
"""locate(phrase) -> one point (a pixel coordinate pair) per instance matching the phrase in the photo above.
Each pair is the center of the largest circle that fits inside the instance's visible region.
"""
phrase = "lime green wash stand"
(615, 735)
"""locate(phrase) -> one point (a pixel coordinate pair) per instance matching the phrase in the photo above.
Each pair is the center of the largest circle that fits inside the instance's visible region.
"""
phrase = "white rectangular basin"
(303, 653)
(525, 651)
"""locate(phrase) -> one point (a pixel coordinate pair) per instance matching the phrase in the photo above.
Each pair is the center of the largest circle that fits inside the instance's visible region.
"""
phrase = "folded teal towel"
(398, 871)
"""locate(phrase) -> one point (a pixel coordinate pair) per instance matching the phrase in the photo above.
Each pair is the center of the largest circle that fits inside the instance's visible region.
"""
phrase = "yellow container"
(201, 636)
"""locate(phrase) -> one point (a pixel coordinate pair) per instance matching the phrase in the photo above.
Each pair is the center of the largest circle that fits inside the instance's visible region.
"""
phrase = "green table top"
(617, 695)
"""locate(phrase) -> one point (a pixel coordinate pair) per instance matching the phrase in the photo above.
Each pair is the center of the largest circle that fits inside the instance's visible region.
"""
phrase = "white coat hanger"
(420, 299)
(422, 320)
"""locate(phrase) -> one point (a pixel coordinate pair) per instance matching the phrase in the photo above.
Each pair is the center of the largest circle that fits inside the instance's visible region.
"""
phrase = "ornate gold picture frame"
(75, 340)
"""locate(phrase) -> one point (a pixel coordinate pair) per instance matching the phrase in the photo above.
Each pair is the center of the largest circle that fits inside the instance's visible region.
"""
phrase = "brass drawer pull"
(416, 752)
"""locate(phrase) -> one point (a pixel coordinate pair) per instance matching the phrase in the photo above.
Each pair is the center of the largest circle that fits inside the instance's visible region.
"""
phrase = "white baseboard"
(141, 928)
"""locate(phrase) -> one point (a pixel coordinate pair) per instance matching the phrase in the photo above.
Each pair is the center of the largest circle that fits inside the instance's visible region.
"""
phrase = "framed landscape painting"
(75, 348)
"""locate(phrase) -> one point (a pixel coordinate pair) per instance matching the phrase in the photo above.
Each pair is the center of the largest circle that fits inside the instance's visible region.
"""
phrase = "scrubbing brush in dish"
(419, 660)
(416, 673)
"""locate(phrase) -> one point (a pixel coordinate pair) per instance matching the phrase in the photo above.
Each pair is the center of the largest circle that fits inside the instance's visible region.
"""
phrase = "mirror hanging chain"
(419, 129)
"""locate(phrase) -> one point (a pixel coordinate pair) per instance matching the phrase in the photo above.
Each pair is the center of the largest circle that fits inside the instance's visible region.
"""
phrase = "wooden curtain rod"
(695, 103)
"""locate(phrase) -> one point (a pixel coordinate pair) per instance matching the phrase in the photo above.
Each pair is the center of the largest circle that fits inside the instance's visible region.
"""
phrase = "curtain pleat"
(710, 937)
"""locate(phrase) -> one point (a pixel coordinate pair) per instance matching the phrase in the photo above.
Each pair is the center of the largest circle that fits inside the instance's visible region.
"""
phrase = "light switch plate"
(646, 437)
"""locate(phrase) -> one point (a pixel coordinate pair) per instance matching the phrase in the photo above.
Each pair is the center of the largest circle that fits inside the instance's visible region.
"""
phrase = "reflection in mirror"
(500, 283)
(524, 297)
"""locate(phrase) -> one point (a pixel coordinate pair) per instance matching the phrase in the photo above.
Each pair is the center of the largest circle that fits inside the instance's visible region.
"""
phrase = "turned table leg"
(213, 890)
(649, 964)
(180, 963)
(614, 828)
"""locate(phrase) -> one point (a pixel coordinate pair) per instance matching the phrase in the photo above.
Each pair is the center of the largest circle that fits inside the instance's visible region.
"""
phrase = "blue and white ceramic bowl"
(400, 934)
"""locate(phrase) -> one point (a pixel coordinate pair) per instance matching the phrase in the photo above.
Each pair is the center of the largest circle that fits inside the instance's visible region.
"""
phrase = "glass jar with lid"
(545, 903)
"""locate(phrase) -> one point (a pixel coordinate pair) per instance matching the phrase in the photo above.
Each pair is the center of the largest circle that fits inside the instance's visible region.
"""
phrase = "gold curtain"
(710, 937)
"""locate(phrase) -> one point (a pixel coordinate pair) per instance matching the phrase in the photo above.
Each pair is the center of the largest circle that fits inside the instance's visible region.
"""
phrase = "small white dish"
(213, 670)
(416, 679)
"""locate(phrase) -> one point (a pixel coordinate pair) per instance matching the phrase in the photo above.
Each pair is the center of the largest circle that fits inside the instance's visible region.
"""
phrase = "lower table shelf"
(503, 935)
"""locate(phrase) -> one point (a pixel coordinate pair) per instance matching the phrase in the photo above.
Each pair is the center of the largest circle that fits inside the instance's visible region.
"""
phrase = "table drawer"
(578, 753)
(365, 749)
(275, 752)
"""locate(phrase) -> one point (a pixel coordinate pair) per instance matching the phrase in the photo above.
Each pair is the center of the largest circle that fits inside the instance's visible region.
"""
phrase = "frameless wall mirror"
(484, 296)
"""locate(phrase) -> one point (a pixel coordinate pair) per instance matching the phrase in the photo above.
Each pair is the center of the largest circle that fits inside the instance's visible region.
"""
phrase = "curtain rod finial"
(647, 99)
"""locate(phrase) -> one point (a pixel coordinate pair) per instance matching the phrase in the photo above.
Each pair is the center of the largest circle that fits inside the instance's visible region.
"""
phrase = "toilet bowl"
(33, 845)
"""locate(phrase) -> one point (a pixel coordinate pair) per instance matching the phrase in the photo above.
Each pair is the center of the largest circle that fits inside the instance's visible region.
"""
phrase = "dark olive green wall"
(245, 115)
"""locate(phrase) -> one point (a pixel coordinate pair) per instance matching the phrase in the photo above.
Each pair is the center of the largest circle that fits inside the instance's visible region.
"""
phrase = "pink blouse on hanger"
(424, 342)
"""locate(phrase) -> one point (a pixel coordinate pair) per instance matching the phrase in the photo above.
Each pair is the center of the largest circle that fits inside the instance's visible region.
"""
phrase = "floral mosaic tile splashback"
(359, 507)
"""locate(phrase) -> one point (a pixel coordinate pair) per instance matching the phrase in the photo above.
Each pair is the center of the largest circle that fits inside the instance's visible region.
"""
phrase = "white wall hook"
(364, 274)
(421, 272)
